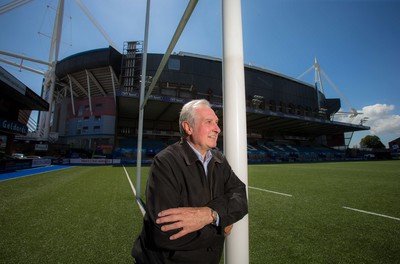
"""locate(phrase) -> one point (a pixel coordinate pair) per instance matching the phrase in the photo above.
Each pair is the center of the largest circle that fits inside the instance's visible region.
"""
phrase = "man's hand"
(228, 229)
(190, 219)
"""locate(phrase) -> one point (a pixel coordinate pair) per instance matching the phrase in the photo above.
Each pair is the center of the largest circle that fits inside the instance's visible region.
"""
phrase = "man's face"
(203, 134)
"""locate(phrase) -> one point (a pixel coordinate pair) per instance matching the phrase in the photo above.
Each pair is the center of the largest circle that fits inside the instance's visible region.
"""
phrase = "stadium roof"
(22, 96)
(165, 110)
(280, 123)
(161, 112)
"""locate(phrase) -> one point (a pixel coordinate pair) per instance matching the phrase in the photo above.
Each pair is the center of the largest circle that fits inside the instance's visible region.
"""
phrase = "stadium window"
(85, 130)
(96, 128)
(174, 64)
(97, 118)
(168, 92)
(186, 94)
(85, 119)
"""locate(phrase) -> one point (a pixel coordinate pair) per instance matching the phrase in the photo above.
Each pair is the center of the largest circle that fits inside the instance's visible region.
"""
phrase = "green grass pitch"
(347, 212)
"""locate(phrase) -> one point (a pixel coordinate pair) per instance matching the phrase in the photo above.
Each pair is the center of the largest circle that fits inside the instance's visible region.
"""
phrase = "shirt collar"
(208, 154)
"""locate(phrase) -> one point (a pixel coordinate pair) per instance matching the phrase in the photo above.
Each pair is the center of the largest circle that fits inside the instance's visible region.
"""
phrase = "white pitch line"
(366, 212)
(134, 192)
(263, 190)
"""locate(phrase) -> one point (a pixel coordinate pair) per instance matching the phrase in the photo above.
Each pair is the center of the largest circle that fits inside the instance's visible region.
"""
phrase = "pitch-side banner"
(95, 161)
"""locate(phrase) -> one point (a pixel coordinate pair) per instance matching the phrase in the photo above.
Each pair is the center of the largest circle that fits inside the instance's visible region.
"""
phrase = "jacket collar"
(190, 157)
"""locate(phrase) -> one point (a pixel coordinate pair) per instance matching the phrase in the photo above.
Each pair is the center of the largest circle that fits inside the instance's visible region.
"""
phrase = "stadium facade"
(97, 103)
(17, 101)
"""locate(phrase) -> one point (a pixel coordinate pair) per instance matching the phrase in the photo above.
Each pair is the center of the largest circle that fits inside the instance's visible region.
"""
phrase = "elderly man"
(193, 197)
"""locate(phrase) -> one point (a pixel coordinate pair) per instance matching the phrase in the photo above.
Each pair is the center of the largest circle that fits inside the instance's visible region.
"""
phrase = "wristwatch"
(214, 216)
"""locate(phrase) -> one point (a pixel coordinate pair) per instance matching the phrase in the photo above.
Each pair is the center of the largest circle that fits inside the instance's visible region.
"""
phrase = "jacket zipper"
(210, 174)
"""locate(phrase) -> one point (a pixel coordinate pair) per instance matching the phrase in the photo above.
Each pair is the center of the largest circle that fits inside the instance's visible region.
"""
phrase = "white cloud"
(378, 110)
(379, 117)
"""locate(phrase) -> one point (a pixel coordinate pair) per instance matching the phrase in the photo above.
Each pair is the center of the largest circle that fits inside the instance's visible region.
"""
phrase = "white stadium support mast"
(97, 25)
(318, 80)
(12, 5)
(50, 76)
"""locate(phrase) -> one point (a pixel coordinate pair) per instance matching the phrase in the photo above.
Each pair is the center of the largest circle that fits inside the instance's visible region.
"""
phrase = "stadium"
(97, 104)
(300, 211)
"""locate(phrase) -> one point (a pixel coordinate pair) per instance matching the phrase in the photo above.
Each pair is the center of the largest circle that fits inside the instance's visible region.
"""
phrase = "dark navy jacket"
(177, 179)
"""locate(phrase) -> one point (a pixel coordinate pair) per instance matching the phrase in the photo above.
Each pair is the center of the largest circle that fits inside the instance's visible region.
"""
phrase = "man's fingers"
(170, 215)
(165, 213)
(179, 234)
(172, 211)
(172, 226)
(189, 219)
(167, 219)
(228, 230)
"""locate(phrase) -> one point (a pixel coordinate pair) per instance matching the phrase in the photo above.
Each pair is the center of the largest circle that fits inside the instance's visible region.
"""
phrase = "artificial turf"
(88, 214)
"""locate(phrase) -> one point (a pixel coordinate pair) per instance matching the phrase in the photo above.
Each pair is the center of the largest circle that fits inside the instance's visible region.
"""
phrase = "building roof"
(24, 97)
(162, 111)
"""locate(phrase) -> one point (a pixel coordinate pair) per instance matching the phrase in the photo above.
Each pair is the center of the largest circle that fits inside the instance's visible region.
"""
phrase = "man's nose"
(217, 129)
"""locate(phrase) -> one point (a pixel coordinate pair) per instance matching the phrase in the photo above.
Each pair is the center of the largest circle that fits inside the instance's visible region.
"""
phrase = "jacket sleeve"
(163, 192)
(232, 205)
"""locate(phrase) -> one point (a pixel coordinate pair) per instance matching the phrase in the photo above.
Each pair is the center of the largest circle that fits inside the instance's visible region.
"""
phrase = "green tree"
(373, 142)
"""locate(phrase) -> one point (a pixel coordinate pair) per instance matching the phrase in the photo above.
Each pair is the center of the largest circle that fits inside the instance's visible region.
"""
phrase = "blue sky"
(356, 43)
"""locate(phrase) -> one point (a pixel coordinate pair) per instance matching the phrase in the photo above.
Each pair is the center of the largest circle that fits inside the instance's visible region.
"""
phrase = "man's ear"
(186, 126)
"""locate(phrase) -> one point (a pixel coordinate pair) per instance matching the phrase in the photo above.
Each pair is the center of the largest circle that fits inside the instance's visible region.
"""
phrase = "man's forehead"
(206, 113)
(205, 110)
(209, 117)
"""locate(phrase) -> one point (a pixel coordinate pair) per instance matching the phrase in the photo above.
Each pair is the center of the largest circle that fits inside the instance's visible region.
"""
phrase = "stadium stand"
(97, 107)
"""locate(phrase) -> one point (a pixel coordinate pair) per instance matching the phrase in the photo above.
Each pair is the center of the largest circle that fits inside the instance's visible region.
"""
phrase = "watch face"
(214, 215)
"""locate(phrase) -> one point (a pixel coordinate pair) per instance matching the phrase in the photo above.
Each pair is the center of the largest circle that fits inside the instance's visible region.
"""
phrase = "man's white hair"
(188, 113)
